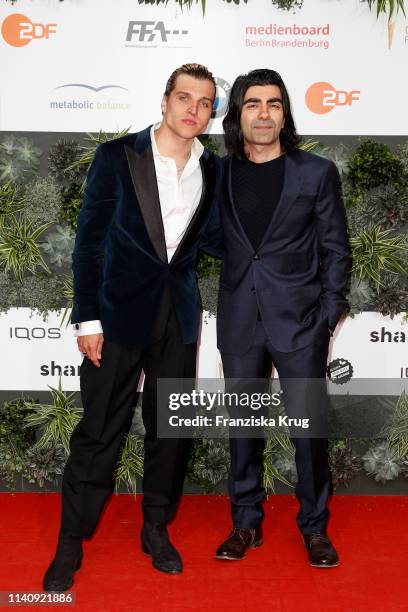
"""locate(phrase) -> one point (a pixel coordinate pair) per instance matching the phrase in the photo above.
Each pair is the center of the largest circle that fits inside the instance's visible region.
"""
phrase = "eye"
(205, 104)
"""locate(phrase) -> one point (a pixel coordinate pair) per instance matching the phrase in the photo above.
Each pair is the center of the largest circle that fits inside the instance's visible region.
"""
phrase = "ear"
(164, 104)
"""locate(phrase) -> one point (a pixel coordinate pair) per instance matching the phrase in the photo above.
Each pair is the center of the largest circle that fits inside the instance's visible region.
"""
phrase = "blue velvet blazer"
(120, 262)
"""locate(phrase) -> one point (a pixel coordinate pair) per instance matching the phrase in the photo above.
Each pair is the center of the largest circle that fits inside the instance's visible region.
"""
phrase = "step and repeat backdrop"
(89, 65)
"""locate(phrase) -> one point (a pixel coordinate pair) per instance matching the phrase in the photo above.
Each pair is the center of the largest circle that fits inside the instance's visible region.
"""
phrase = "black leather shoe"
(321, 551)
(68, 558)
(237, 543)
(155, 542)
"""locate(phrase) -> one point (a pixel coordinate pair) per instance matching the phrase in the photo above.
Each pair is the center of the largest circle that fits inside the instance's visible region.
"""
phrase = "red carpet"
(370, 534)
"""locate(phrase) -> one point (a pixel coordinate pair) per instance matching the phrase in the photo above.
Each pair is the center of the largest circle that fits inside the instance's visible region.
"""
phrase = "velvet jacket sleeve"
(93, 223)
(212, 240)
(334, 250)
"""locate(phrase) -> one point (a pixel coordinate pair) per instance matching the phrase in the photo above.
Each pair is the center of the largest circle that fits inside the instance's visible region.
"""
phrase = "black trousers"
(109, 395)
(314, 478)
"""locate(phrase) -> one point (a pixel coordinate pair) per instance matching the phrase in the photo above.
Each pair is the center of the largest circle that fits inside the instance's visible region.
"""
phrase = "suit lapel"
(292, 184)
(207, 172)
(141, 166)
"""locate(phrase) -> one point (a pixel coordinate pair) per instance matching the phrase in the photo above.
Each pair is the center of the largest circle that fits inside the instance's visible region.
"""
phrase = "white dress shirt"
(179, 198)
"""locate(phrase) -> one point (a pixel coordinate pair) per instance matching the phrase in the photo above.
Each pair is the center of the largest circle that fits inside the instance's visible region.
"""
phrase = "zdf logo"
(18, 30)
(322, 97)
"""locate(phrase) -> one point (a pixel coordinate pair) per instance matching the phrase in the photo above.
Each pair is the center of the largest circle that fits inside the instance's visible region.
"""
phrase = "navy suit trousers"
(314, 479)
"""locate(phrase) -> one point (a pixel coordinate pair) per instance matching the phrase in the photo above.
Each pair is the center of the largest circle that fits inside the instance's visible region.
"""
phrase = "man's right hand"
(91, 347)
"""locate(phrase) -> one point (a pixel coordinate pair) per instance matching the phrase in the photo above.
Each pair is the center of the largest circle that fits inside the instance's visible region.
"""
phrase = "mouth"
(263, 127)
(190, 122)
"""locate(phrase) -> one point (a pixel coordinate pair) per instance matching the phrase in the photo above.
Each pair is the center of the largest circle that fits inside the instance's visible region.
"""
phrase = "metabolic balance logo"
(18, 30)
(154, 34)
(89, 101)
(322, 97)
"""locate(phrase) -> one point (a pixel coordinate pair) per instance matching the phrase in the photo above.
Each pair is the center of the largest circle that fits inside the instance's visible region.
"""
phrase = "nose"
(193, 108)
(264, 112)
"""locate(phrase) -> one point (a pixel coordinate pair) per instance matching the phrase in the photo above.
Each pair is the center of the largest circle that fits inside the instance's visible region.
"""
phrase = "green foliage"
(9, 293)
(402, 153)
(43, 201)
(10, 202)
(209, 143)
(208, 286)
(68, 294)
(374, 251)
(59, 246)
(373, 164)
(61, 157)
(385, 206)
(345, 463)
(381, 462)
(208, 265)
(71, 205)
(57, 420)
(338, 154)
(209, 463)
(40, 293)
(14, 440)
(288, 5)
(44, 464)
(360, 297)
(278, 451)
(391, 301)
(19, 159)
(12, 464)
(130, 464)
(309, 145)
(181, 3)
(88, 151)
(20, 248)
(12, 420)
(387, 6)
(397, 431)
(208, 271)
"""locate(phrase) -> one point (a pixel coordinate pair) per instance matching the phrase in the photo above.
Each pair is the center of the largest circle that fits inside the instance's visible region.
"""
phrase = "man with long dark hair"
(282, 292)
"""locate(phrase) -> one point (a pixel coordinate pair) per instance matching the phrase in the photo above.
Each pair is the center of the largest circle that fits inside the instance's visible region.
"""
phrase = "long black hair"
(234, 140)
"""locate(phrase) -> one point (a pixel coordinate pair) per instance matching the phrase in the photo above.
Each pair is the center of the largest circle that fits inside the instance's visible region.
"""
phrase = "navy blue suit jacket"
(299, 274)
(120, 262)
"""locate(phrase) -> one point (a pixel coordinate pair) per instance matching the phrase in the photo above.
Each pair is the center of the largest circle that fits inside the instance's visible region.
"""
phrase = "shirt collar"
(196, 149)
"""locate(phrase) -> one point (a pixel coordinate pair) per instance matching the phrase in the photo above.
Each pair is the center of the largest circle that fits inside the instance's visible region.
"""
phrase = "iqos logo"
(322, 97)
(34, 333)
(18, 30)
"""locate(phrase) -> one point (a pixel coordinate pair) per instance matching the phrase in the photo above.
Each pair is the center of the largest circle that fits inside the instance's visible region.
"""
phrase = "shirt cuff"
(87, 328)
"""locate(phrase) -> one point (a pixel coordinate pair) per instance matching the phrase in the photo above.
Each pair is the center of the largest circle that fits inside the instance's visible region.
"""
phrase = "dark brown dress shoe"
(321, 551)
(237, 543)
(68, 558)
(155, 542)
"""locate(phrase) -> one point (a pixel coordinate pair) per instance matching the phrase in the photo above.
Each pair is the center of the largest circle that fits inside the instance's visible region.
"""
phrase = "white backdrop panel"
(35, 353)
(94, 69)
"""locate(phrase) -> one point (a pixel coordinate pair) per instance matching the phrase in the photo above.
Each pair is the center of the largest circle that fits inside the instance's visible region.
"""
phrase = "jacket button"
(256, 257)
